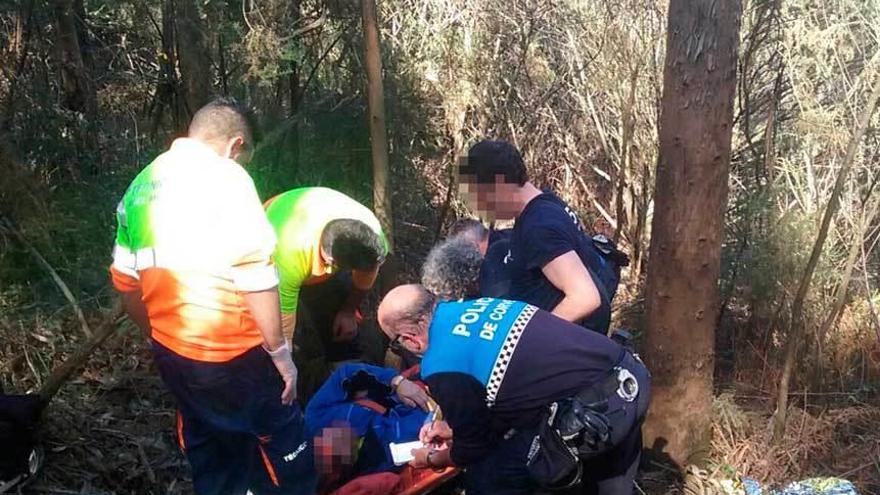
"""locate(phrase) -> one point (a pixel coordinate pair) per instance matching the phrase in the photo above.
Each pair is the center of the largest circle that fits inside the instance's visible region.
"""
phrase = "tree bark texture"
(77, 89)
(376, 109)
(691, 194)
(193, 56)
(18, 51)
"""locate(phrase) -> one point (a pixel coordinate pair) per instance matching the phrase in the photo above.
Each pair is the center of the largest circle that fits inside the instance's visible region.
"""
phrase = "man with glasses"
(499, 370)
(329, 251)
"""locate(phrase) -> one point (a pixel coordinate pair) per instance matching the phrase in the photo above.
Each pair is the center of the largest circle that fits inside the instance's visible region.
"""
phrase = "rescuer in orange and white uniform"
(193, 262)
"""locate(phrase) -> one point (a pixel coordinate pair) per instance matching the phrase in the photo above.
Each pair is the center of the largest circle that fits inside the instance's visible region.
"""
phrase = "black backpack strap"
(610, 251)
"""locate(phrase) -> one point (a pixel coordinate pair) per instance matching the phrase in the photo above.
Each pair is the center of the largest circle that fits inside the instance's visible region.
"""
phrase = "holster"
(571, 430)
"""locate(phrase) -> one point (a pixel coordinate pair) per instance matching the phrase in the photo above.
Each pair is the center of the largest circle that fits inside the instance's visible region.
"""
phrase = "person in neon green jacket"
(329, 251)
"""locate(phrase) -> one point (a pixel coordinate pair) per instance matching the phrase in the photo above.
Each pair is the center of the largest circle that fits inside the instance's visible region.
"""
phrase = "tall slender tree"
(376, 104)
(193, 55)
(76, 85)
(795, 335)
(19, 53)
(691, 193)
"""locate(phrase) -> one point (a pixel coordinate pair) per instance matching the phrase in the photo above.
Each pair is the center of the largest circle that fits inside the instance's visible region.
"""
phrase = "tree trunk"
(82, 31)
(18, 50)
(166, 96)
(224, 72)
(691, 194)
(797, 307)
(293, 79)
(376, 105)
(641, 235)
(193, 55)
(76, 86)
(624, 199)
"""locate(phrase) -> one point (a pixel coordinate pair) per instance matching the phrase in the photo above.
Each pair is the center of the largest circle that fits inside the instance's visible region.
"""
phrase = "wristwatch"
(431, 464)
(437, 469)
(396, 381)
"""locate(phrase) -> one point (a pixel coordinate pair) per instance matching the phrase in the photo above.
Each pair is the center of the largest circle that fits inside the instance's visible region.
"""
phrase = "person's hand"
(288, 395)
(435, 432)
(344, 326)
(283, 362)
(412, 394)
(420, 457)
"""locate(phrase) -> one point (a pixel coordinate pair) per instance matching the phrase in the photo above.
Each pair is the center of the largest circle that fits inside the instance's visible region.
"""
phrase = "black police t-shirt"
(494, 274)
(546, 229)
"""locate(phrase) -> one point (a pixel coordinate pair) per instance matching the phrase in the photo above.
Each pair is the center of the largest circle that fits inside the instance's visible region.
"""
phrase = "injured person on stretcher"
(529, 401)
(355, 417)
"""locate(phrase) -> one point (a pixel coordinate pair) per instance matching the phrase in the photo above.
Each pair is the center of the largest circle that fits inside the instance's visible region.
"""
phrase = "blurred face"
(492, 201)
(335, 449)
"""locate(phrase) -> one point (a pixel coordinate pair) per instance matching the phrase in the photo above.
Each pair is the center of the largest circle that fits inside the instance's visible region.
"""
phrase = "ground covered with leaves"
(110, 430)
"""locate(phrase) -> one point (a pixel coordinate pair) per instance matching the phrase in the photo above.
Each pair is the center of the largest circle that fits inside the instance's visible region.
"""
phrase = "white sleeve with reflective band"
(254, 278)
(124, 261)
(251, 236)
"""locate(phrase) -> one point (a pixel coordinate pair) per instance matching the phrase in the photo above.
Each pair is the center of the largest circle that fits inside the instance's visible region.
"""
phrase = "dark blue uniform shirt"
(546, 229)
(493, 364)
(494, 274)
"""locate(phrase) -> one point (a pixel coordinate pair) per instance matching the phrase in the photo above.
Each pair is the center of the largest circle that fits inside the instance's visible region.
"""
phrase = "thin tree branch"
(314, 70)
(797, 327)
(874, 317)
(52, 273)
(81, 355)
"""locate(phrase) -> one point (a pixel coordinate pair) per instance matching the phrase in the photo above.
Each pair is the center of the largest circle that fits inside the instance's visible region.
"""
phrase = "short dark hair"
(468, 228)
(223, 119)
(352, 244)
(488, 159)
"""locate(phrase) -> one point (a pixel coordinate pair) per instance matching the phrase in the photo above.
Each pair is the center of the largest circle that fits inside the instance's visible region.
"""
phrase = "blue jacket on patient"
(336, 403)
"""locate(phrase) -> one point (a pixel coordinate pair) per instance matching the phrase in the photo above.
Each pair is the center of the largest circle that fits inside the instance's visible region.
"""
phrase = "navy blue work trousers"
(233, 428)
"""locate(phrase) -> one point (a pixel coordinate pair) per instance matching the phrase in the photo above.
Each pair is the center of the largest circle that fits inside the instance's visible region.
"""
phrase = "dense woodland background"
(92, 90)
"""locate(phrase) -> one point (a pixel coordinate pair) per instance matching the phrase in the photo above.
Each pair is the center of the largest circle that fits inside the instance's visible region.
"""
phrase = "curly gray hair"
(452, 270)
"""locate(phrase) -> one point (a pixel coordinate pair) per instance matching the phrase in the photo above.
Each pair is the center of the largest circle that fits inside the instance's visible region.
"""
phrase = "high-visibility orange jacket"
(193, 236)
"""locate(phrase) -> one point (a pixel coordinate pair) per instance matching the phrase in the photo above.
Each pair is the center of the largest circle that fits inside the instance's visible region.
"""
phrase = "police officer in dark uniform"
(549, 262)
(502, 371)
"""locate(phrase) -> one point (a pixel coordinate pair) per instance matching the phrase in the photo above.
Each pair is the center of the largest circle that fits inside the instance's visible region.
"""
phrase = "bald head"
(223, 125)
(405, 308)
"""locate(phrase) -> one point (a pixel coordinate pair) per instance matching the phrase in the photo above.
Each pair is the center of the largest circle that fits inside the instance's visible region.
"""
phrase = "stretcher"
(410, 481)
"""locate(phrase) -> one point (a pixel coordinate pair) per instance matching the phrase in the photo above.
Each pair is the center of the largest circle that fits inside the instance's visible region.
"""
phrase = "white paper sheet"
(402, 452)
